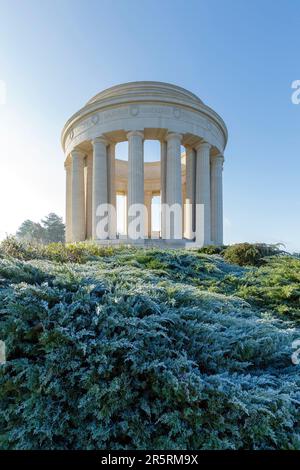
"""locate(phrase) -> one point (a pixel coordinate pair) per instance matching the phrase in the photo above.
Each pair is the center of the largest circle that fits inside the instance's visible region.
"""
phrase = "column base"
(150, 243)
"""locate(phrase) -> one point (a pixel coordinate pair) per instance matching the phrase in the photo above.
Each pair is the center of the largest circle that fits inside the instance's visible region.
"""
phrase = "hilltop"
(147, 349)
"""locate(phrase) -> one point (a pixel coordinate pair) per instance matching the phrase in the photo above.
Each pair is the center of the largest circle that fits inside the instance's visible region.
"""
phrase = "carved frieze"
(192, 122)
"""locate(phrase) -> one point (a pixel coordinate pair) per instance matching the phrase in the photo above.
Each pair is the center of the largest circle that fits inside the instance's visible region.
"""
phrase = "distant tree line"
(48, 230)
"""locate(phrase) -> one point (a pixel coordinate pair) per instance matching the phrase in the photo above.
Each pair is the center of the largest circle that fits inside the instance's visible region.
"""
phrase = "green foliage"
(50, 230)
(274, 286)
(249, 253)
(146, 349)
(212, 250)
(60, 252)
(12, 246)
(54, 229)
(30, 231)
(74, 252)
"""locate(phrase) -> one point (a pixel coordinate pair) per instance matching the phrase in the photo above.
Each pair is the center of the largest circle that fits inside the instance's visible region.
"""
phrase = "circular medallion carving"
(95, 118)
(134, 110)
(176, 113)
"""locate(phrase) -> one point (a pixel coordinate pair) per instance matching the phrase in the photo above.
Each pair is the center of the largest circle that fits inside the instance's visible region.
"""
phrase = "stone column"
(183, 185)
(148, 205)
(68, 168)
(216, 171)
(135, 172)
(174, 189)
(89, 195)
(111, 178)
(78, 196)
(203, 230)
(190, 193)
(99, 183)
(163, 185)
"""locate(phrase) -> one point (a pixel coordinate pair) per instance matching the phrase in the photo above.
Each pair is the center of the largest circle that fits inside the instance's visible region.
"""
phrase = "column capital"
(78, 152)
(135, 134)
(99, 140)
(218, 160)
(188, 150)
(173, 135)
(203, 146)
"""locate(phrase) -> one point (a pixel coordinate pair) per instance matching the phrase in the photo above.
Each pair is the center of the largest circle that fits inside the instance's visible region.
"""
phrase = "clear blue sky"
(239, 57)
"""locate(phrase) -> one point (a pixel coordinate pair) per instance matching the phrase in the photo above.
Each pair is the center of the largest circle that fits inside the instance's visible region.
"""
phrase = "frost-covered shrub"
(12, 246)
(212, 250)
(249, 253)
(123, 353)
(274, 286)
(81, 252)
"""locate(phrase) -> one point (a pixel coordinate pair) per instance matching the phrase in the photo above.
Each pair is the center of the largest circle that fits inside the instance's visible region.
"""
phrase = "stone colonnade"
(91, 182)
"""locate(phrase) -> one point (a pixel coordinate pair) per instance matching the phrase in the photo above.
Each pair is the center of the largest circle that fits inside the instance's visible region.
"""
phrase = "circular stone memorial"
(187, 179)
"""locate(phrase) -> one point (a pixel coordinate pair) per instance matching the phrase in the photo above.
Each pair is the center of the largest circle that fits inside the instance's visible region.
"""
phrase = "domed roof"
(152, 106)
(136, 91)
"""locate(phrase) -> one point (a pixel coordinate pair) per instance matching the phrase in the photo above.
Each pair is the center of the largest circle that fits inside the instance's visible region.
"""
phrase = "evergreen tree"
(51, 229)
(54, 228)
(31, 231)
